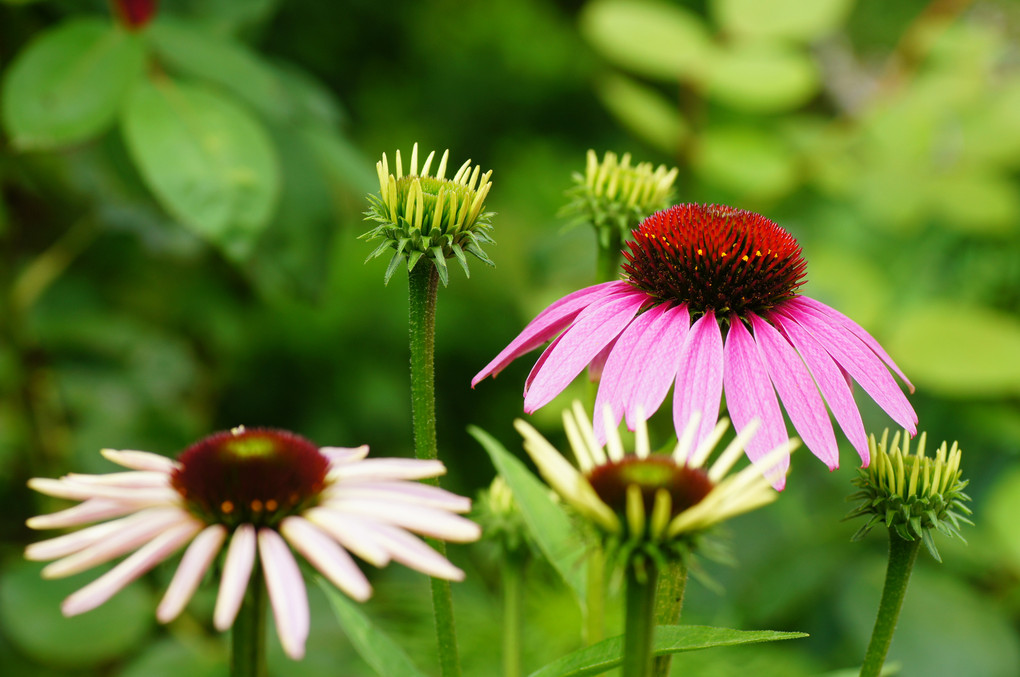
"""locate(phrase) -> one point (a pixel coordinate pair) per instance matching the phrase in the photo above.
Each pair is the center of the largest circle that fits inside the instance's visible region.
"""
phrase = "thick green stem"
(423, 285)
(248, 636)
(639, 623)
(902, 554)
(513, 617)
(595, 608)
(669, 601)
(608, 263)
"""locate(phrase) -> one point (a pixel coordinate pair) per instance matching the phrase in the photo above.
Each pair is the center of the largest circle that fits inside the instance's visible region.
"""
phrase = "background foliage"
(156, 288)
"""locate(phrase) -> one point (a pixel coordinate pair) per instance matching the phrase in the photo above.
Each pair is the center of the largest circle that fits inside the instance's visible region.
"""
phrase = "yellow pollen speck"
(271, 504)
(744, 257)
(757, 252)
(700, 252)
(237, 430)
(256, 505)
(722, 253)
(226, 507)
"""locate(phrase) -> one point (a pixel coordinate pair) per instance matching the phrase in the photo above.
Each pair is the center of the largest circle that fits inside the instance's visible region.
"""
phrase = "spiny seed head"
(911, 492)
(713, 257)
(255, 476)
(429, 216)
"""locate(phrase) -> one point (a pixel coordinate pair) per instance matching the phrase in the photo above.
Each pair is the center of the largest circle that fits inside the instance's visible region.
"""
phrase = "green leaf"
(669, 639)
(31, 618)
(377, 649)
(69, 83)
(644, 111)
(761, 77)
(976, 202)
(784, 19)
(1000, 511)
(549, 525)
(171, 657)
(647, 37)
(746, 160)
(959, 349)
(207, 161)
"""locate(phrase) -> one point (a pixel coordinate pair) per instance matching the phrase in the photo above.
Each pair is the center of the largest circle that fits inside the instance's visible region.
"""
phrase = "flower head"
(267, 492)
(650, 506)
(135, 14)
(502, 522)
(910, 492)
(421, 215)
(614, 196)
(709, 302)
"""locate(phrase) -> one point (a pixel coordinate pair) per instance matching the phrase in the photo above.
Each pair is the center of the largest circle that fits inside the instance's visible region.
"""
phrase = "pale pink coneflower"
(266, 492)
(709, 303)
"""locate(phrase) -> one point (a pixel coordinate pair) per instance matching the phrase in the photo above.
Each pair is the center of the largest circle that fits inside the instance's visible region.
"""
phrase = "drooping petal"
(547, 324)
(539, 363)
(61, 546)
(598, 363)
(140, 460)
(237, 569)
(831, 380)
(411, 493)
(92, 510)
(856, 329)
(434, 523)
(287, 594)
(412, 552)
(797, 391)
(132, 479)
(860, 362)
(655, 364)
(749, 396)
(388, 469)
(325, 555)
(194, 564)
(340, 455)
(595, 327)
(699, 378)
(353, 534)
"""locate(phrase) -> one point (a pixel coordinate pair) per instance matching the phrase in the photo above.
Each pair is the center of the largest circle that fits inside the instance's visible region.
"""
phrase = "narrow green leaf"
(556, 537)
(209, 163)
(782, 19)
(376, 647)
(69, 83)
(669, 639)
(644, 111)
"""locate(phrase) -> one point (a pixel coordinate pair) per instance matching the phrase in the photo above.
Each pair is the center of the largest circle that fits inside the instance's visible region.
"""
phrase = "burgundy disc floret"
(686, 486)
(135, 14)
(256, 476)
(714, 257)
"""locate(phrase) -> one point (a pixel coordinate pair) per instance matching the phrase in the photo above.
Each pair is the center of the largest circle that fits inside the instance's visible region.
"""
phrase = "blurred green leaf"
(669, 639)
(344, 166)
(1000, 513)
(648, 37)
(977, 202)
(171, 658)
(762, 77)
(31, 618)
(959, 350)
(556, 537)
(69, 83)
(785, 19)
(207, 161)
(749, 161)
(644, 111)
(382, 653)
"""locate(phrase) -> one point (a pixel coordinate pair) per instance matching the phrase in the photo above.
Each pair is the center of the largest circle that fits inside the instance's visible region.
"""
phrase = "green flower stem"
(669, 601)
(608, 263)
(639, 623)
(902, 554)
(513, 617)
(423, 285)
(595, 607)
(248, 636)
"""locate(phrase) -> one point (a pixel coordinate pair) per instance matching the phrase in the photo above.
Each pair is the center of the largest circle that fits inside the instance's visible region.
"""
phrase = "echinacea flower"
(710, 301)
(648, 505)
(265, 491)
(432, 217)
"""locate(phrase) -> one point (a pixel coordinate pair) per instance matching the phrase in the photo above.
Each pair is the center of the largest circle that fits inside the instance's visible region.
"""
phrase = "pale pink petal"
(190, 571)
(857, 330)
(389, 469)
(797, 390)
(287, 593)
(699, 378)
(141, 561)
(412, 552)
(831, 380)
(52, 548)
(749, 395)
(354, 534)
(140, 460)
(860, 362)
(134, 479)
(434, 523)
(325, 555)
(403, 492)
(595, 327)
(344, 454)
(547, 324)
(75, 490)
(92, 510)
(655, 363)
(236, 572)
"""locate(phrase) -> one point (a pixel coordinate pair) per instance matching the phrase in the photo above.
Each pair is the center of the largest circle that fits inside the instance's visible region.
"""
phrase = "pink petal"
(547, 324)
(655, 364)
(593, 329)
(831, 380)
(412, 552)
(597, 364)
(236, 573)
(404, 492)
(389, 469)
(354, 534)
(140, 460)
(860, 362)
(92, 510)
(797, 390)
(434, 523)
(749, 395)
(325, 555)
(699, 378)
(192, 568)
(540, 362)
(287, 593)
(857, 330)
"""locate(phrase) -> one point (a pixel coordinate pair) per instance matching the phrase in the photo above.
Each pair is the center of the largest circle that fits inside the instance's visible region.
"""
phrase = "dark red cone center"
(686, 486)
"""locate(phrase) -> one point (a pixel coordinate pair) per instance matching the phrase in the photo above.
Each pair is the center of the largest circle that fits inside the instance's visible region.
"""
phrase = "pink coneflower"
(710, 303)
(266, 491)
